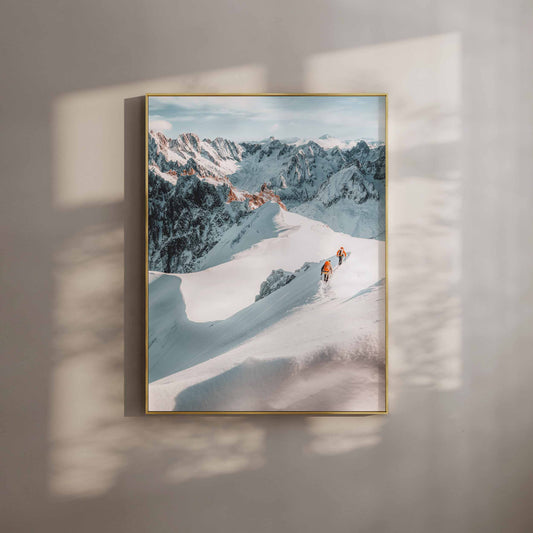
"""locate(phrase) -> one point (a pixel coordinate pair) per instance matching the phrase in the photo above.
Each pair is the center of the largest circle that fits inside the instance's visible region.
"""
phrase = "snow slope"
(306, 346)
(267, 239)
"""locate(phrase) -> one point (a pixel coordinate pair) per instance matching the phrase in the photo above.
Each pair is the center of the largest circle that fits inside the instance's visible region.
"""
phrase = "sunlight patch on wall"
(93, 447)
(88, 130)
(86, 449)
(421, 76)
(423, 80)
(333, 436)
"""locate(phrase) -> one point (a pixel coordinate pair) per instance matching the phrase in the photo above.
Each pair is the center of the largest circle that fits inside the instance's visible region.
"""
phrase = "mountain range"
(199, 189)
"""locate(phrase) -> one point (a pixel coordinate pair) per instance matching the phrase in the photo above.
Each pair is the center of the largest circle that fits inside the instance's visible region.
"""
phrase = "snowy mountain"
(189, 209)
(349, 202)
(218, 157)
(200, 188)
(302, 345)
(370, 161)
(295, 173)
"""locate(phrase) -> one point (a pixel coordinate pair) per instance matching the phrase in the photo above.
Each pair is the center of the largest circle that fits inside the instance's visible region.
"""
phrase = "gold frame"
(240, 413)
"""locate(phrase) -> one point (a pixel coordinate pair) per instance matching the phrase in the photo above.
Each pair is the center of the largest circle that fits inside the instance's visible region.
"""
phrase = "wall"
(455, 452)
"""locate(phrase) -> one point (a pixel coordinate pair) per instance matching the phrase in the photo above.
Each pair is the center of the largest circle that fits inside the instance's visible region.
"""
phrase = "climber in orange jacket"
(341, 254)
(326, 271)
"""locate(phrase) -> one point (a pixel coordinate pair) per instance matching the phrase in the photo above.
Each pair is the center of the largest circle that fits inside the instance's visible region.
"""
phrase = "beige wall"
(455, 452)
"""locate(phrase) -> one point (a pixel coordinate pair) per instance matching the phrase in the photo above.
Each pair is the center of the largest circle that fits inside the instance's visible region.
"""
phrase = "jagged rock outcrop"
(277, 279)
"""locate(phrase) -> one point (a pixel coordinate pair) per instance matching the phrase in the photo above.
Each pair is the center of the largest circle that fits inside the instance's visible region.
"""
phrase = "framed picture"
(266, 253)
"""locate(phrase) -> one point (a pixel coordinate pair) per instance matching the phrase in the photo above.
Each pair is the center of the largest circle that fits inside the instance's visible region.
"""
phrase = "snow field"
(268, 239)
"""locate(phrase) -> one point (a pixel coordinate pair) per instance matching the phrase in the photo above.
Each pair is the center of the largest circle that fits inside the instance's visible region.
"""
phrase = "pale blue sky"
(252, 118)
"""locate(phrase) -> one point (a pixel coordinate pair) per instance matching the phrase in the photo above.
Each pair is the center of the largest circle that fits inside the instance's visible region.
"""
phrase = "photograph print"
(266, 254)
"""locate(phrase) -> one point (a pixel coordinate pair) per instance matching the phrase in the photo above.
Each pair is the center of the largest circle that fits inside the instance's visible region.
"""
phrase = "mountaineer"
(326, 271)
(341, 254)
